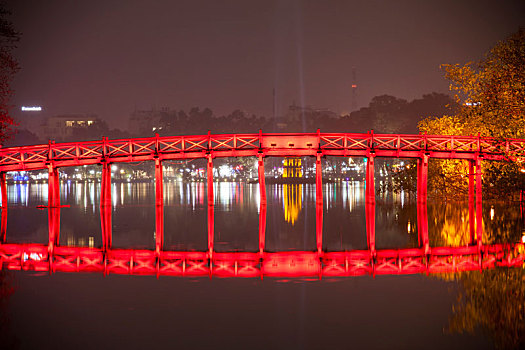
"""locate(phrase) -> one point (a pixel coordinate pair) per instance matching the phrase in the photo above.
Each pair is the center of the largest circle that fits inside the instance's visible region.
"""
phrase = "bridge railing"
(35, 257)
(139, 149)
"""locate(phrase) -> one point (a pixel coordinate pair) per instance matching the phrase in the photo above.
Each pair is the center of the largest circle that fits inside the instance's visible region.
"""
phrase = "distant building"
(292, 167)
(62, 127)
(146, 122)
(295, 114)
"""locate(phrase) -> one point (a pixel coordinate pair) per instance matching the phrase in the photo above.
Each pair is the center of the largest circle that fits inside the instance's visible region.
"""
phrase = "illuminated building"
(292, 168)
(61, 127)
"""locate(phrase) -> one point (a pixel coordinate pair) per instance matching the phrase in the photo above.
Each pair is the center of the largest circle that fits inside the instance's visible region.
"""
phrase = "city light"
(31, 109)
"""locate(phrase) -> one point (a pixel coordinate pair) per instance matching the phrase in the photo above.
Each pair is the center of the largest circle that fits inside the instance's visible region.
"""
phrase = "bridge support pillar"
(479, 217)
(262, 208)
(159, 207)
(3, 190)
(106, 206)
(471, 201)
(319, 202)
(210, 206)
(422, 209)
(53, 203)
(370, 205)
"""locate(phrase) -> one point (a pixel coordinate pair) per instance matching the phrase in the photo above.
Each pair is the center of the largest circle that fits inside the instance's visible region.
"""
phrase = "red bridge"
(52, 257)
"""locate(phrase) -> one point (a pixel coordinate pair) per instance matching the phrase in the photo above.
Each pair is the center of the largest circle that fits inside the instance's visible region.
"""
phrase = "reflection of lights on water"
(92, 196)
(292, 202)
(258, 198)
(491, 213)
(408, 226)
(114, 194)
(82, 191)
(91, 241)
(223, 193)
(122, 193)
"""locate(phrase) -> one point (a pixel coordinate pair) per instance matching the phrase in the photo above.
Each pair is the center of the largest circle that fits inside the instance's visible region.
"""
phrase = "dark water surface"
(90, 311)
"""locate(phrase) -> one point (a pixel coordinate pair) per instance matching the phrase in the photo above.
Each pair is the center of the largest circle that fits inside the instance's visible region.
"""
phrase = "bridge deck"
(241, 145)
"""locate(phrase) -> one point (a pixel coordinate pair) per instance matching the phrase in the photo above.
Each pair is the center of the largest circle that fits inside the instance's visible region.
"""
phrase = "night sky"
(108, 57)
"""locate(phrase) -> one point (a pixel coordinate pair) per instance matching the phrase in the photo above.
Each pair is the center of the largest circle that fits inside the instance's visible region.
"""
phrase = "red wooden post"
(262, 205)
(210, 206)
(370, 203)
(418, 207)
(422, 177)
(106, 206)
(159, 207)
(471, 201)
(53, 202)
(319, 202)
(3, 190)
(479, 218)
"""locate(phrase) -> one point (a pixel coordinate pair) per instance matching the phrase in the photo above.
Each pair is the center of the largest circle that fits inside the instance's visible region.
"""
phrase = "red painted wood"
(479, 217)
(319, 203)
(210, 205)
(36, 257)
(53, 203)
(159, 207)
(3, 191)
(262, 205)
(242, 145)
(471, 201)
(106, 206)
(370, 204)
(422, 212)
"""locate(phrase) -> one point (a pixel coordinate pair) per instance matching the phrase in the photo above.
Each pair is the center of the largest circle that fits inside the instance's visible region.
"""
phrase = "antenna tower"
(354, 90)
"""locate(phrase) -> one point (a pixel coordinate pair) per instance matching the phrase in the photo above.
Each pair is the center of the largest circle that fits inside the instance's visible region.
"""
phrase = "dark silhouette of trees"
(385, 114)
(8, 67)
(390, 115)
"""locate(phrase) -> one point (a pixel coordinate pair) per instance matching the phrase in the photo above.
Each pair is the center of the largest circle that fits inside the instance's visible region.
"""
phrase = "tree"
(8, 67)
(491, 94)
(492, 91)
(389, 114)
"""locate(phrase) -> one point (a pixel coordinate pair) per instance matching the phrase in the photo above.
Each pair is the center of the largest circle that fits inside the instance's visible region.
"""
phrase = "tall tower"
(354, 90)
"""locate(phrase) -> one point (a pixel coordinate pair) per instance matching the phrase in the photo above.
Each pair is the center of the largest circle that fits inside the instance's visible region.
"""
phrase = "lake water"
(87, 311)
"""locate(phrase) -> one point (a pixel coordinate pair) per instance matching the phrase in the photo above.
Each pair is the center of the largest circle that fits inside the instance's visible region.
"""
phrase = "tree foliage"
(491, 94)
(8, 67)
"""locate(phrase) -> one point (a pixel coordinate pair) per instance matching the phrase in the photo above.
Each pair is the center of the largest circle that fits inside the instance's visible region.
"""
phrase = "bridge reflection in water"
(456, 254)
(473, 255)
(247, 264)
